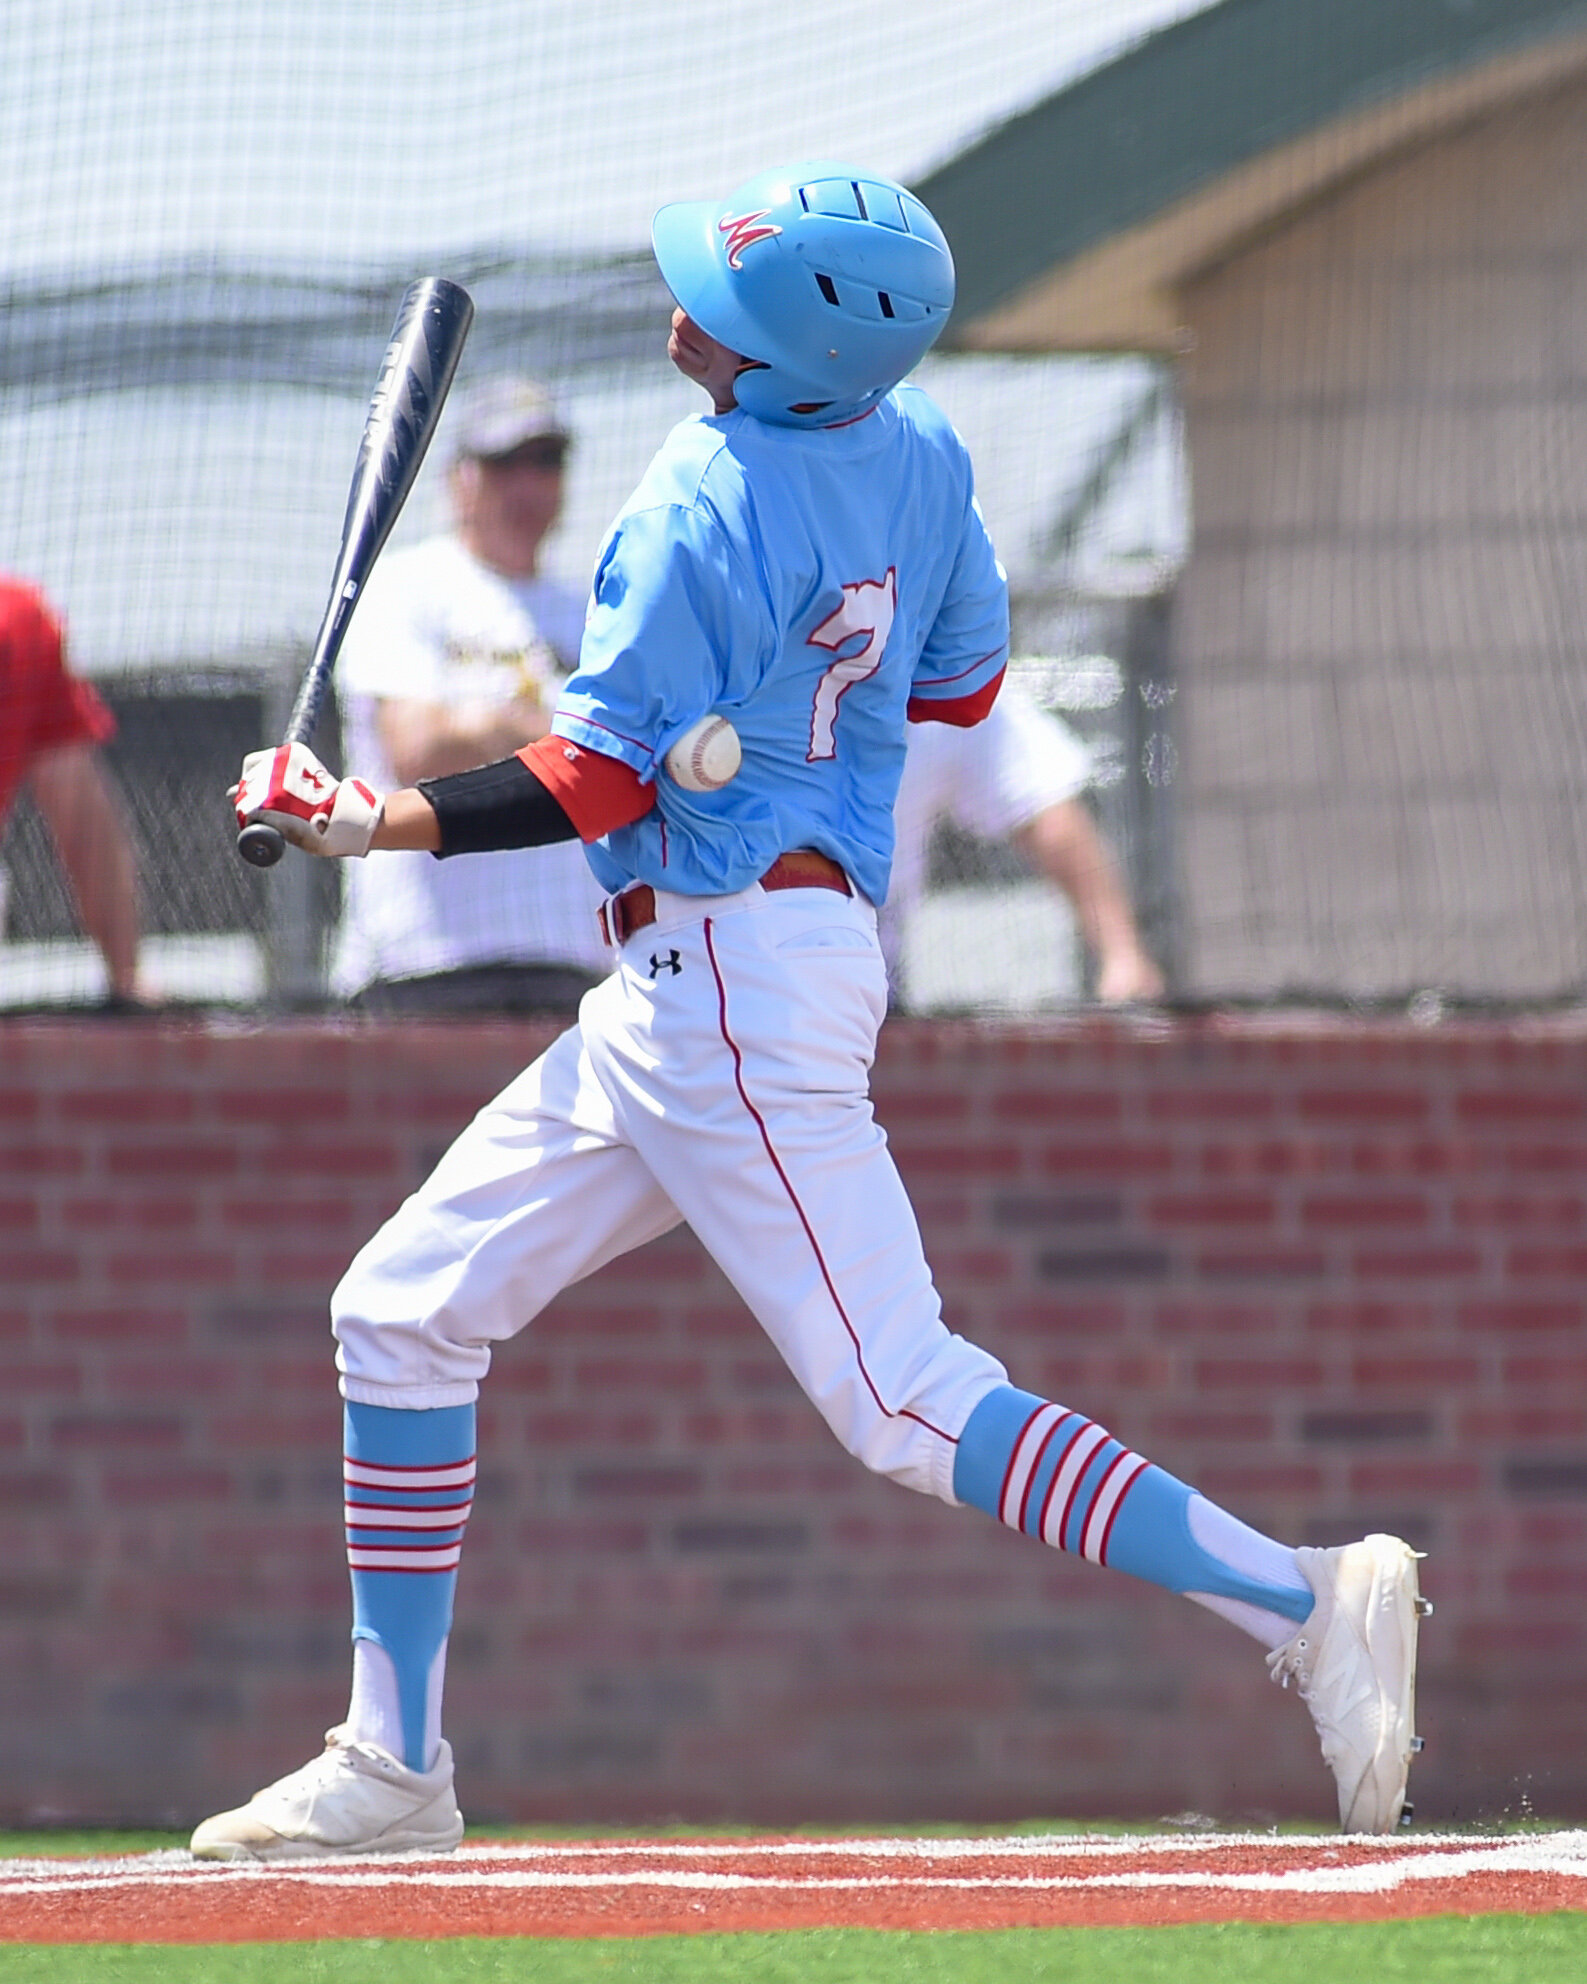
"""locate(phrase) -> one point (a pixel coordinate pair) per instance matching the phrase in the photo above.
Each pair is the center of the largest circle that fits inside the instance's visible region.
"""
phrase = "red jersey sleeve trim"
(598, 794)
(960, 711)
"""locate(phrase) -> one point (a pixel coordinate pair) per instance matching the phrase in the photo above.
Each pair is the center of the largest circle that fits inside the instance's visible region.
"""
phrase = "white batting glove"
(289, 789)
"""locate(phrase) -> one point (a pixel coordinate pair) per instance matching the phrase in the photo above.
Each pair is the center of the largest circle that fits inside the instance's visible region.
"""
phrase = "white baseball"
(707, 756)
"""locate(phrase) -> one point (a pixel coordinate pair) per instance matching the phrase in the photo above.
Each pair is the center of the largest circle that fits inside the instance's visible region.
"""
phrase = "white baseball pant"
(720, 1075)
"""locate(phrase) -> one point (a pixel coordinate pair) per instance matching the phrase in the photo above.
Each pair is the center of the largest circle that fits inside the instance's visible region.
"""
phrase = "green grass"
(1486, 1949)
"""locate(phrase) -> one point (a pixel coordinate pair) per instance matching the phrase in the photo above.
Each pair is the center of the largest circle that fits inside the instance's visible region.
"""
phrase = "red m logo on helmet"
(742, 233)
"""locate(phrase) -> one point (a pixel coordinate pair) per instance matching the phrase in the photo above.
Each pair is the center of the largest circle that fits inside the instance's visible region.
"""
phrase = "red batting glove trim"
(598, 794)
(961, 711)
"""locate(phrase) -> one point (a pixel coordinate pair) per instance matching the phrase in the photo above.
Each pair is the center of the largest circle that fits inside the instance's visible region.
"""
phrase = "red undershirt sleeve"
(597, 793)
(961, 711)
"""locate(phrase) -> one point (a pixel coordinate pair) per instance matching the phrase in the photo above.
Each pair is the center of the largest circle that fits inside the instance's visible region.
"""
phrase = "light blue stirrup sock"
(1059, 1476)
(409, 1484)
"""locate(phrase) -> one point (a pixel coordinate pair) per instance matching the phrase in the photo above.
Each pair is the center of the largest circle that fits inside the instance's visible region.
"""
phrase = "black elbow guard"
(496, 806)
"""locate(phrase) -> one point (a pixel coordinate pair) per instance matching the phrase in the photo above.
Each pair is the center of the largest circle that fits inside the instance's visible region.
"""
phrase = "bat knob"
(260, 845)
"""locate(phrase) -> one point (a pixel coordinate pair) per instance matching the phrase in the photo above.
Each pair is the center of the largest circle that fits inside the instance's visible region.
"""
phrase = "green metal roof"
(1188, 107)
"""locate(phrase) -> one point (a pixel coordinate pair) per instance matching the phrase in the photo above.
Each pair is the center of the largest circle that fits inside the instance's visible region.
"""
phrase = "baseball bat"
(415, 377)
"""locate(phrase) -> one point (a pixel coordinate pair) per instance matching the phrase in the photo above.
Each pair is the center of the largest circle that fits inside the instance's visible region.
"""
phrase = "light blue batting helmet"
(836, 281)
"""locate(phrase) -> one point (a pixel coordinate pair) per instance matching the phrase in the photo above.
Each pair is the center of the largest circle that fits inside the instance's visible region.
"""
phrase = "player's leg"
(1341, 1622)
(740, 1071)
(537, 1192)
(764, 1123)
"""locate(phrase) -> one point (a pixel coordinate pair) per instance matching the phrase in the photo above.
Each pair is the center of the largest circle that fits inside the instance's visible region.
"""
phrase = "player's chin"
(690, 360)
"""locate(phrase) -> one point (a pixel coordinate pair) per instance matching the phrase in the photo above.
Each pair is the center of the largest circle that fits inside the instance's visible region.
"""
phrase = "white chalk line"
(1391, 1864)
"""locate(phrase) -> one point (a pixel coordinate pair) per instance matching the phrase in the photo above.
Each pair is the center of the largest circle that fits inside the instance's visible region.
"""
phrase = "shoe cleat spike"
(1407, 1813)
(1424, 1608)
(1418, 1744)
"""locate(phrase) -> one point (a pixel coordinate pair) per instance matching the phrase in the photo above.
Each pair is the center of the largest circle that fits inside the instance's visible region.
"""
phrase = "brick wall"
(1331, 1272)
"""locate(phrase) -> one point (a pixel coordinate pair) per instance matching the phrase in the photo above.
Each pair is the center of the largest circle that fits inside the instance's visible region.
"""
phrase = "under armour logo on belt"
(671, 962)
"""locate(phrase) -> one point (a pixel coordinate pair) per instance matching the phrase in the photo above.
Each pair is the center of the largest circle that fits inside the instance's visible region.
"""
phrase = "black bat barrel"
(415, 377)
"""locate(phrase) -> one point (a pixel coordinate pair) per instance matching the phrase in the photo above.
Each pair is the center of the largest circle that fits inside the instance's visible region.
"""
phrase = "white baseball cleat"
(353, 1798)
(1354, 1663)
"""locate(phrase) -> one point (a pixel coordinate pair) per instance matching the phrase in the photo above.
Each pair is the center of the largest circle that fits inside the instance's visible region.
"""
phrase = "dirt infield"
(610, 1888)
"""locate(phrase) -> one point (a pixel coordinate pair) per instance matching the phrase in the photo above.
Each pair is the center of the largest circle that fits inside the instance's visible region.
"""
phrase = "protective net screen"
(211, 215)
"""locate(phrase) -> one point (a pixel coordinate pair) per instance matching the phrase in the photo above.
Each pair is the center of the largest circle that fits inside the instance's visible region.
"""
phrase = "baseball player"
(808, 562)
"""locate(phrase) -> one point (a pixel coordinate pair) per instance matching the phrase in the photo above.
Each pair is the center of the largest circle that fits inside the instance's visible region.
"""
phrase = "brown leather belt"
(635, 908)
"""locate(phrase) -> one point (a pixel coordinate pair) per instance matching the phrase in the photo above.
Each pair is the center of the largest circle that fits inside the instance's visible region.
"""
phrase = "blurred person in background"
(52, 724)
(454, 660)
(1020, 775)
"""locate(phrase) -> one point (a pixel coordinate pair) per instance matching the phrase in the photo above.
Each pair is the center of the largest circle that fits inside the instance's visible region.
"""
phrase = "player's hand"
(289, 789)
(1128, 977)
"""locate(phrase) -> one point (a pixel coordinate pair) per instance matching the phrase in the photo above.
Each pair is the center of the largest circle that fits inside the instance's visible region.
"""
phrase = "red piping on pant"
(793, 1199)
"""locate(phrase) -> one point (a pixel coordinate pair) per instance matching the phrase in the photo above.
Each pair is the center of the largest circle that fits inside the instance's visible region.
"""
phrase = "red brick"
(300, 1110)
(675, 1376)
(99, 1432)
(1548, 1263)
(1520, 1212)
(124, 1211)
(1373, 1318)
(1210, 1105)
(1357, 1211)
(41, 1160)
(1564, 1371)
(326, 1157)
(1212, 1427)
(1451, 1262)
(187, 1160)
(1214, 1318)
(1270, 1158)
(105, 1108)
(187, 1268)
(1093, 1109)
(276, 1213)
(155, 1377)
(40, 1265)
(42, 1377)
(126, 1324)
(1507, 1318)
(1415, 1477)
(1266, 1374)
(1198, 1209)
(1510, 1108)
(1352, 1107)
(1492, 1424)
(1001, 1160)
(1547, 1581)
(1429, 1375)
(1252, 1262)
(1097, 1317)
(1550, 1161)
(196, 1484)
(1237, 1481)
(1107, 1158)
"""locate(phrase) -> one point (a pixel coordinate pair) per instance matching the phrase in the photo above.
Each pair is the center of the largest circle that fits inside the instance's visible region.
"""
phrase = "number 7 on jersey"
(857, 634)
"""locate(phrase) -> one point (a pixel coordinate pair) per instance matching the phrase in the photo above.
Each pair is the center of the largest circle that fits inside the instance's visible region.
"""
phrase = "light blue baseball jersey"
(805, 584)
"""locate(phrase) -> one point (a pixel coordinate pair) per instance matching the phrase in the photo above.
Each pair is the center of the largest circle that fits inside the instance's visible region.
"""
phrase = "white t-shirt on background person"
(991, 780)
(438, 626)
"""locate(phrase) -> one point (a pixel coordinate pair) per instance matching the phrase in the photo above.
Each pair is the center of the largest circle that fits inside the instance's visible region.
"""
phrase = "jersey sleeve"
(966, 650)
(675, 628)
